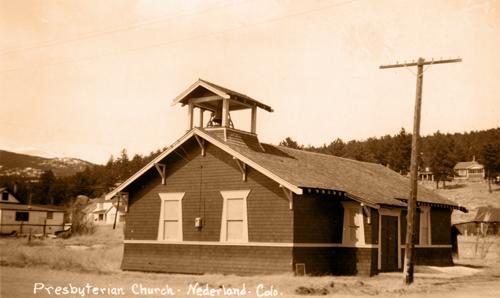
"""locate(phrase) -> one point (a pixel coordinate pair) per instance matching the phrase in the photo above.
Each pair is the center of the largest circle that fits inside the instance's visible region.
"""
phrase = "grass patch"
(99, 253)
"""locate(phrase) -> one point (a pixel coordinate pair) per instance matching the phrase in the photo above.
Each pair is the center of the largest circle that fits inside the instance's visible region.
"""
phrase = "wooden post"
(408, 268)
(412, 202)
(201, 118)
(190, 116)
(117, 207)
(225, 112)
(254, 119)
(161, 168)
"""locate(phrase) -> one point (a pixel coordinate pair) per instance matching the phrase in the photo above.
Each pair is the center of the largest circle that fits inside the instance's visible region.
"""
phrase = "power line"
(421, 63)
(166, 43)
(90, 35)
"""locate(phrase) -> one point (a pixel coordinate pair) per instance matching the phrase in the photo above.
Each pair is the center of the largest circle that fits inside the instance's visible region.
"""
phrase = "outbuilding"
(104, 212)
(220, 201)
(17, 218)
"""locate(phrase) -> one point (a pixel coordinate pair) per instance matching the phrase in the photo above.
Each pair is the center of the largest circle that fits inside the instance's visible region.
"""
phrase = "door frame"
(388, 212)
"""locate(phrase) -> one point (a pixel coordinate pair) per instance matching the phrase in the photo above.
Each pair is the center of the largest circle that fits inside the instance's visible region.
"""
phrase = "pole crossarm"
(417, 63)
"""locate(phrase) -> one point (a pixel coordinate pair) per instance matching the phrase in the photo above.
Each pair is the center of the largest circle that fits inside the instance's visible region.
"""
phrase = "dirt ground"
(464, 280)
(54, 268)
(470, 195)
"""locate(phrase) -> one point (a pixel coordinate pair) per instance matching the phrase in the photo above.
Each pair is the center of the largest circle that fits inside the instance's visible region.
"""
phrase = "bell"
(217, 118)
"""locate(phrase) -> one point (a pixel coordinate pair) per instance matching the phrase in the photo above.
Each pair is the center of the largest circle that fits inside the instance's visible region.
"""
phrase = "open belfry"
(203, 97)
(219, 200)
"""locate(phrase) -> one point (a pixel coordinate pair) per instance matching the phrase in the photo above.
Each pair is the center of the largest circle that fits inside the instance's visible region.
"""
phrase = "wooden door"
(389, 243)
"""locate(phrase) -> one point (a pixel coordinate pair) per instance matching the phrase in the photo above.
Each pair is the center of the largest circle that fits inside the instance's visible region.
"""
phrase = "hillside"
(439, 151)
(12, 164)
(470, 195)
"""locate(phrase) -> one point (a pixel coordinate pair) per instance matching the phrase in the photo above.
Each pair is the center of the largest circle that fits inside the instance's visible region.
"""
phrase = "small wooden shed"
(16, 218)
(219, 200)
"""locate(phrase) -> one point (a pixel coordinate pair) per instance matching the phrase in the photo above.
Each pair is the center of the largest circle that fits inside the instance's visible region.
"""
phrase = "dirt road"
(37, 282)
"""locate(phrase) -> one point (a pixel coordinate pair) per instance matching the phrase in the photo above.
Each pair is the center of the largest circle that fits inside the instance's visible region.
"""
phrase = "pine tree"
(490, 158)
(337, 148)
(400, 152)
(441, 159)
(290, 143)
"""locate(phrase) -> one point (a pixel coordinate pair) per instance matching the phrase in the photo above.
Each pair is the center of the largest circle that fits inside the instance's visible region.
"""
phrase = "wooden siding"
(314, 219)
(202, 178)
(317, 219)
(199, 259)
(441, 226)
(430, 256)
(37, 222)
(416, 232)
(337, 261)
(371, 229)
(433, 256)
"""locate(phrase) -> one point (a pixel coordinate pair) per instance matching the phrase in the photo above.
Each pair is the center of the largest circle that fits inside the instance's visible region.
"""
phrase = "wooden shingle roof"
(487, 214)
(201, 87)
(300, 170)
(373, 183)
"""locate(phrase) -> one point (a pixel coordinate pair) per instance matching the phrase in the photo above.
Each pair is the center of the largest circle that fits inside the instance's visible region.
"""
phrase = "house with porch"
(469, 170)
(220, 201)
(425, 175)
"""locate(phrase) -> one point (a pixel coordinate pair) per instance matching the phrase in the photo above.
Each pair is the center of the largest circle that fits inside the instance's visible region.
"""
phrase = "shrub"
(80, 223)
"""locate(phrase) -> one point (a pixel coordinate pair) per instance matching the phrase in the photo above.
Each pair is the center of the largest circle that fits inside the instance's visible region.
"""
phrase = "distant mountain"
(33, 166)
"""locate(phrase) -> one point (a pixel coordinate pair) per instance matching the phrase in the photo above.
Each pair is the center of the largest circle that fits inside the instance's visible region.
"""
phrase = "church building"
(220, 201)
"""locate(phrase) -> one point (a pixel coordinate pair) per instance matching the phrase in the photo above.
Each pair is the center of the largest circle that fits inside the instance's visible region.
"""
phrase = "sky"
(87, 78)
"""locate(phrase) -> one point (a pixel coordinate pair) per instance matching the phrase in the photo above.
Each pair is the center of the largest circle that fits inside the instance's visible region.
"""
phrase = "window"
(5, 196)
(170, 226)
(101, 217)
(425, 232)
(353, 231)
(22, 216)
(50, 214)
(234, 224)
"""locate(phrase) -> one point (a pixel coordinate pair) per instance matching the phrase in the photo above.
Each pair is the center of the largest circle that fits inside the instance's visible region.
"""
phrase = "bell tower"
(218, 101)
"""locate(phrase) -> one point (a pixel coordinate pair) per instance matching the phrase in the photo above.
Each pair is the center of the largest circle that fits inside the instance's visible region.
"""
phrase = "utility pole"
(412, 202)
(119, 196)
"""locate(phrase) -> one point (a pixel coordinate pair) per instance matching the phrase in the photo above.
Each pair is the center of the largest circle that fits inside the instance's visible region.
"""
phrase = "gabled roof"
(368, 182)
(213, 140)
(4, 189)
(17, 206)
(90, 207)
(219, 91)
(467, 165)
(487, 214)
(301, 171)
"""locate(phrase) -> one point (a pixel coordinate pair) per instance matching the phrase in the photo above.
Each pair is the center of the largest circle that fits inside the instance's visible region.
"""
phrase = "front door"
(389, 243)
